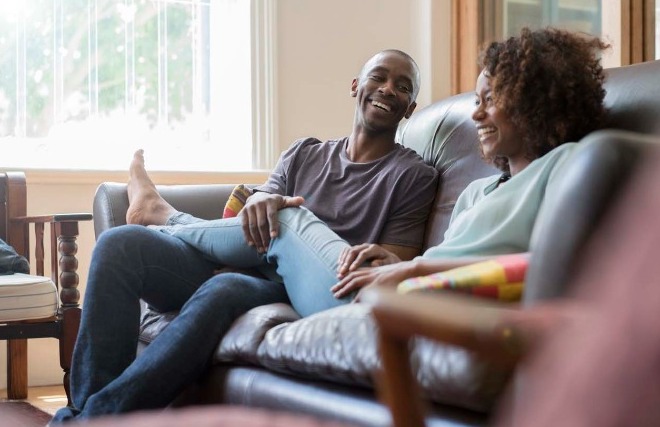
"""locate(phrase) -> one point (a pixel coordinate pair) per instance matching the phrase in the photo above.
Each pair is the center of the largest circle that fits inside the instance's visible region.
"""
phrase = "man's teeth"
(381, 105)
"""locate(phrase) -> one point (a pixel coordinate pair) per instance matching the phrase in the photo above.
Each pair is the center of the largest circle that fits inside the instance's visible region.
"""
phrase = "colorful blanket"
(500, 278)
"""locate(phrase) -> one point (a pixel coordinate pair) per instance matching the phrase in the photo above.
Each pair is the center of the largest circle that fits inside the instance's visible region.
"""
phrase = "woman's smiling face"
(497, 135)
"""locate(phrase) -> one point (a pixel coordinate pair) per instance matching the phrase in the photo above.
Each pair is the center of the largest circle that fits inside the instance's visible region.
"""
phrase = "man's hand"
(354, 257)
(387, 275)
(259, 215)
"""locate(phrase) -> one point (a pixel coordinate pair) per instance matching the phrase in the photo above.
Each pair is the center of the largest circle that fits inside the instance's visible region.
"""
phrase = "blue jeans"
(130, 263)
(303, 256)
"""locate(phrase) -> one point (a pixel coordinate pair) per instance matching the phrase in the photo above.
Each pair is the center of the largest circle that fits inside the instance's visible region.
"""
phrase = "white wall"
(321, 47)
(323, 44)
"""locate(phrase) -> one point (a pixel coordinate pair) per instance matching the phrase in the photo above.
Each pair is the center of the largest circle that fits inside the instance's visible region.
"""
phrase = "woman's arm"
(374, 255)
(393, 274)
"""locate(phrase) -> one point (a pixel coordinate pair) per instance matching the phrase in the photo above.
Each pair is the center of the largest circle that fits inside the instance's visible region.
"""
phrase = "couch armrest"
(203, 201)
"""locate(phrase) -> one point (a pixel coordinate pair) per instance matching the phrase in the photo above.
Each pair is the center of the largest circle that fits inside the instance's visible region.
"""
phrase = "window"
(508, 17)
(83, 83)
(627, 26)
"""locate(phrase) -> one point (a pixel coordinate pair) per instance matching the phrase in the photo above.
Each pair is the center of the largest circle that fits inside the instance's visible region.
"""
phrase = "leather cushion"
(340, 345)
(242, 340)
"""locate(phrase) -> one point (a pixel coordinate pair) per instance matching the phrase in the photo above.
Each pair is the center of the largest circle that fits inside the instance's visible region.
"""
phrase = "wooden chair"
(498, 330)
(15, 230)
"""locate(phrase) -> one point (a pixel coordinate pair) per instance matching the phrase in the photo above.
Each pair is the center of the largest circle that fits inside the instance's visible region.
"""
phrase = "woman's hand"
(387, 275)
(354, 257)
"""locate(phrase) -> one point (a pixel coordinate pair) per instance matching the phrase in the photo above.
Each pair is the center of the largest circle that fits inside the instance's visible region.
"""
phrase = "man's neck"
(363, 147)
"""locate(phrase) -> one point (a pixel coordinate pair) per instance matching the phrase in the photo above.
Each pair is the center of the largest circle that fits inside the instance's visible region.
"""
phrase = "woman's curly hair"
(549, 83)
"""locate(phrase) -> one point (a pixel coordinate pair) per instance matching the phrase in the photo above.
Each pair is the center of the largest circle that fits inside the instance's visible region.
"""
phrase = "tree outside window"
(83, 83)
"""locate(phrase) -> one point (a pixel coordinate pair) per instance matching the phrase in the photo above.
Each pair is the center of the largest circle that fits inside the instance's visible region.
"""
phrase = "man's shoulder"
(408, 158)
(312, 142)
(310, 146)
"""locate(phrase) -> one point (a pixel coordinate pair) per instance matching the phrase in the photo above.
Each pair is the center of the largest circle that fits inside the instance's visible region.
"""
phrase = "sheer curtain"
(83, 83)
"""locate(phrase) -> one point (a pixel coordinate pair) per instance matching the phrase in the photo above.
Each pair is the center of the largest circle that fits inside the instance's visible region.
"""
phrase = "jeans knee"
(296, 216)
(123, 240)
(238, 291)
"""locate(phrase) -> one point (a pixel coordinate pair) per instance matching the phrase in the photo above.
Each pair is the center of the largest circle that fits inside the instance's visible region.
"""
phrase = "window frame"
(629, 25)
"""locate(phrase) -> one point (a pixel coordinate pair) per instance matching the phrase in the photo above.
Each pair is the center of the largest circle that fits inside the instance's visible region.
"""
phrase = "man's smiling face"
(385, 91)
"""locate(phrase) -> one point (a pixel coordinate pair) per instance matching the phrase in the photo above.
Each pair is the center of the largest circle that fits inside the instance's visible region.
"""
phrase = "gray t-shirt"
(385, 201)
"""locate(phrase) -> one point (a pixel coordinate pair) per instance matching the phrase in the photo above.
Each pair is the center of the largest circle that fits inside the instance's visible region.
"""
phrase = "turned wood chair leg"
(69, 295)
(17, 378)
(70, 325)
(398, 387)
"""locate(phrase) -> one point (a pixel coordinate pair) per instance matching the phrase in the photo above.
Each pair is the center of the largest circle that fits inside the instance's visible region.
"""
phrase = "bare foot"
(145, 204)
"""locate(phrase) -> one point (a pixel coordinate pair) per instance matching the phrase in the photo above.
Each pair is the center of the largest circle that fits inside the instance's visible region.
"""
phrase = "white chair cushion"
(26, 297)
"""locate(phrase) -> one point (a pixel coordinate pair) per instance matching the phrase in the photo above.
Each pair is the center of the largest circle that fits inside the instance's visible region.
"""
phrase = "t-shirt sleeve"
(413, 201)
(278, 178)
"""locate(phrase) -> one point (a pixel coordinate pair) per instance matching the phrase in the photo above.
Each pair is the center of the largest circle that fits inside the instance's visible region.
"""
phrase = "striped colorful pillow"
(236, 201)
(500, 278)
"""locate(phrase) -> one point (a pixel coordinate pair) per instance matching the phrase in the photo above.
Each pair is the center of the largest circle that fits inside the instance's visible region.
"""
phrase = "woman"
(535, 94)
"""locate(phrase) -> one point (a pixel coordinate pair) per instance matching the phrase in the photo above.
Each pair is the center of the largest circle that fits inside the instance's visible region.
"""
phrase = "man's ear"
(354, 87)
(410, 110)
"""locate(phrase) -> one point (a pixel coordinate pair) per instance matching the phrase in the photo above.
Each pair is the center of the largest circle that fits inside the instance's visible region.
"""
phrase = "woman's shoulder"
(561, 151)
(550, 160)
(481, 186)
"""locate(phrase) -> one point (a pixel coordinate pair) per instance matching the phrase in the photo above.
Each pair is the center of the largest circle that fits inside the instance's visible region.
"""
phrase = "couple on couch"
(536, 92)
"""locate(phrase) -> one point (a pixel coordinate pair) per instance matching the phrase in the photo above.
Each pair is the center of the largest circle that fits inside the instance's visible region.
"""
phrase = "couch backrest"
(599, 171)
(633, 97)
(445, 136)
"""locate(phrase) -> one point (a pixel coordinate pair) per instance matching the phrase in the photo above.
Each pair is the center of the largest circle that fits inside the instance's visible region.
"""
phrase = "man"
(365, 187)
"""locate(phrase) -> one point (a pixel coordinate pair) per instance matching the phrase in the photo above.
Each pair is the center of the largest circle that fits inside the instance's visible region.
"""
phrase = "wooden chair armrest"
(53, 218)
(502, 332)
(63, 249)
(485, 326)
(473, 323)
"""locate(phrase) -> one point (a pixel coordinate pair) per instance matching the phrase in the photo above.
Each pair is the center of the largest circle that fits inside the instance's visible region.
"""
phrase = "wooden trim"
(642, 31)
(628, 25)
(649, 30)
(626, 32)
(467, 25)
(454, 48)
(636, 34)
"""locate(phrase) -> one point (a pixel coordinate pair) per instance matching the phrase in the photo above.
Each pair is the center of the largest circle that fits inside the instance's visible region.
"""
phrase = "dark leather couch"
(322, 364)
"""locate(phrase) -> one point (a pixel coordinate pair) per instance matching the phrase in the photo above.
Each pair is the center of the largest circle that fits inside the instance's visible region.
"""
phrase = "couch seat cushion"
(340, 345)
